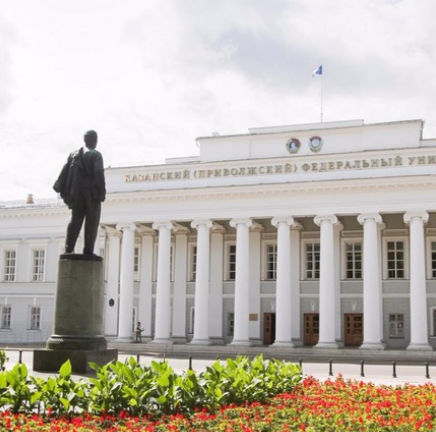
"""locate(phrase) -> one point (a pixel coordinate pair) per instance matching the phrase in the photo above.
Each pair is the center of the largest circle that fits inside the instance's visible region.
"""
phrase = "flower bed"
(313, 406)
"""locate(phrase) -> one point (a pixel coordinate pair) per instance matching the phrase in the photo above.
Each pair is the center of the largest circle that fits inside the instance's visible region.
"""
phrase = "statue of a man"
(81, 185)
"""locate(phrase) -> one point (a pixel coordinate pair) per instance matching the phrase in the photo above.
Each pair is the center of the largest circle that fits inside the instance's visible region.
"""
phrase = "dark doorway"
(353, 329)
(311, 329)
(269, 328)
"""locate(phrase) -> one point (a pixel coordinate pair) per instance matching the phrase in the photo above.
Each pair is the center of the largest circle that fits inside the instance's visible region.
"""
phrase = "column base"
(201, 342)
(372, 345)
(241, 343)
(282, 344)
(420, 347)
(333, 345)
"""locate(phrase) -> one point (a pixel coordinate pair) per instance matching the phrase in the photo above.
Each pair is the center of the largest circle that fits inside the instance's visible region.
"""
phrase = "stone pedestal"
(78, 324)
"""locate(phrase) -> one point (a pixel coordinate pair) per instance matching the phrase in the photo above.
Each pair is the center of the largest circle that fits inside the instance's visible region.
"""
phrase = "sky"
(152, 76)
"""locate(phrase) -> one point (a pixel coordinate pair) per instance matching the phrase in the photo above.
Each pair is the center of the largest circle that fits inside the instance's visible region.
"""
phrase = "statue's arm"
(99, 176)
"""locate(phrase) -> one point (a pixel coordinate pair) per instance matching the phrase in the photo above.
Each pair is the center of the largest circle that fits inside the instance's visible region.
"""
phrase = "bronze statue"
(81, 185)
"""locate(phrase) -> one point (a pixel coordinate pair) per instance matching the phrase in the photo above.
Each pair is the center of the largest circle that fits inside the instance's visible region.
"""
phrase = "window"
(35, 318)
(193, 271)
(353, 260)
(312, 252)
(136, 263)
(231, 273)
(271, 262)
(230, 324)
(38, 265)
(134, 318)
(172, 263)
(191, 320)
(433, 259)
(396, 326)
(6, 317)
(395, 259)
(10, 265)
(433, 322)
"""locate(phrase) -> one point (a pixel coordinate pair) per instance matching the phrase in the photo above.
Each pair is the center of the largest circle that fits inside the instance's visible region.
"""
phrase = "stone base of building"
(50, 360)
(372, 346)
(241, 343)
(420, 347)
(201, 342)
(282, 344)
(327, 345)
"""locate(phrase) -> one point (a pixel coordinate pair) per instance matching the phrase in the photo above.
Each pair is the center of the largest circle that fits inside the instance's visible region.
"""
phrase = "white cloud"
(151, 76)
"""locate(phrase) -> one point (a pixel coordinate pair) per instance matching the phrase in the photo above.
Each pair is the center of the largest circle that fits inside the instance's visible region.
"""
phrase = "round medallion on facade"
(315, 144)
(293, 145)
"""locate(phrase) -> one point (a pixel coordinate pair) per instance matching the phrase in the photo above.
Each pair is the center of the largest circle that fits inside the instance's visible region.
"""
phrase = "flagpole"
(321, 96)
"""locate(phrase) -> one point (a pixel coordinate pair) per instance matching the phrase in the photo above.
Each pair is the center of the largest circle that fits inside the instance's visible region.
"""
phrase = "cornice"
(278, 189)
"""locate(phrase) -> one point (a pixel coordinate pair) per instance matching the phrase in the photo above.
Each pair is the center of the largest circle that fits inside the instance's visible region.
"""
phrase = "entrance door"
(353, 331)
(269, 328)
(311, 329)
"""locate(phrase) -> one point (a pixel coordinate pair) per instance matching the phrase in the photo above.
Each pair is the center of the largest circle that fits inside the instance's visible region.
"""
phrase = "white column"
(327, 303)
(241, 333)
(283, 282)
(254, 328)
(201, 320)
(112, 284)
(162, 326)
(372, 307)
(180, 278)
(125, 329)
(216, 284)
(146, 282)
(295, 283)
(418, 289)
(337, 271)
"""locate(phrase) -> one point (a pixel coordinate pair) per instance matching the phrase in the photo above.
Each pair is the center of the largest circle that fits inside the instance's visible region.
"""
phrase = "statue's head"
(90, 139)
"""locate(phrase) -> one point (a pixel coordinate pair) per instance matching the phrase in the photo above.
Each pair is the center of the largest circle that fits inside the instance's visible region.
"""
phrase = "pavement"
(405, 370)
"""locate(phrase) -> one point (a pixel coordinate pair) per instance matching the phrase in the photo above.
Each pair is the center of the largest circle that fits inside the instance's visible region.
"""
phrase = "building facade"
(309, 235)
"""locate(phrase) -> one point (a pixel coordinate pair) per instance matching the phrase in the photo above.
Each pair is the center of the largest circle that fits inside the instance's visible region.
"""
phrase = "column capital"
(276, 221)
(415, 214)
(124, 226)
(144, 230)
(201, 222)
(241, 221)
(111, 232)
(162, 224)
(325, 218)
(363, 217)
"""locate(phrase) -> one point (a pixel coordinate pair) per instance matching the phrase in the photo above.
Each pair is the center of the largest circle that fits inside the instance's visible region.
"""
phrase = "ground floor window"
(396, 326)
(433, 322)
(191, 320)
(230, 324)
(6, 317)
(35, 318)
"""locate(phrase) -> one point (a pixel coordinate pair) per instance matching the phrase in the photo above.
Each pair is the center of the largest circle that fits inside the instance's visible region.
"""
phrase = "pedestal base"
(48, 360)
(78, 324)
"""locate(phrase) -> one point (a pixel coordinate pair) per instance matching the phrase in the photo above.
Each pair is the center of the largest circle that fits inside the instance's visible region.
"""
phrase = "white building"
(320, 234)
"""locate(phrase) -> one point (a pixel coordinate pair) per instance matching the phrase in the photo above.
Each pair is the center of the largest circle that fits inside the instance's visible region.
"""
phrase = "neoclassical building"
(307, 235)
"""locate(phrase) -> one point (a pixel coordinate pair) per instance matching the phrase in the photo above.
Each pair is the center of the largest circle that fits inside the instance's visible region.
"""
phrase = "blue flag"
(317, 71)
